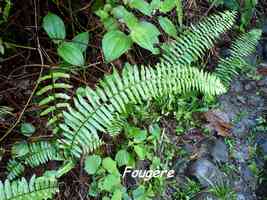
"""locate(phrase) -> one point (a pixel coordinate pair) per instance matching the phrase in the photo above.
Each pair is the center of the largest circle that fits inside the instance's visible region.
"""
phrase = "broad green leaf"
(140, 151)
(139, 193)
(108, 21)
(27, 129)
(20, 149)
(92, 163)
(122, 157)
(137, 134)
(54, 27)
(110, 182)
(167, 5)
(141, 5)
(128, 18)
(110, 165)
(168, 26)
(81, 41)
(117, 195)
(114, 44)
(146, 35)
(71, 53)
(155, 4)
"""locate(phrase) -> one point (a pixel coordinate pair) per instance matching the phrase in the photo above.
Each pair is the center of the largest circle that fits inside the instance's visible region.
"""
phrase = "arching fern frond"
(95, 110)
(37, 153)
(15, 169)
(54, 96)
(244, 46)
(193, 43)
(41, 188)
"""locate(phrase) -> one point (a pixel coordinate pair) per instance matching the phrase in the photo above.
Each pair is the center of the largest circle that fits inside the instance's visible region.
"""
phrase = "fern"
(244, 46)
(41, 188)
(37, 153)
(56, 97)
(95, 109)
(15, 169)
(194, 42)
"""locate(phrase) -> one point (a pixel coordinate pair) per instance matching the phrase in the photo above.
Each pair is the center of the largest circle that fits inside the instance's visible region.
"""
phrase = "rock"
(261, 142)
(245, 196)
(214, 148)
(243, 127)
(206, 173)
(251, 86)
(241, 152)
(237, 87)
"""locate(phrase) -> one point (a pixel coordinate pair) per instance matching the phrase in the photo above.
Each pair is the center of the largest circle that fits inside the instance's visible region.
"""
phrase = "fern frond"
(15, 169)
(96, 110)
(41, 188)
(244, 46)
(37, 153)
(193, 43)
(40, 153)
(54, 96)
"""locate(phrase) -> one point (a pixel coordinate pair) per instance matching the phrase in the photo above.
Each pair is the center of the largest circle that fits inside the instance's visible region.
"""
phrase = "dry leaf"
(219, 122)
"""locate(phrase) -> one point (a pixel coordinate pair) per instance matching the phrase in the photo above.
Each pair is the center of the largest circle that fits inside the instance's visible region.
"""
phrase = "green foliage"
(244, 46)
(35, 154)
(146, 35)
(114, 44)
(15, 169)
(70, 52)
(142, 32)
(54, 27)
(41, 188)
(4, 111)
(123, 157)
(5, 11)
(168, 26)
(246, 8)
(92, 164)
(95, 110)
(27, 129)
(192, 43)
(54, 96)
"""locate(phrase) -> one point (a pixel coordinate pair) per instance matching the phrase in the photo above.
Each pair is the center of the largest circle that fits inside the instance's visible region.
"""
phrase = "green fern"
(95, 109)
(36, 153)
(194, 42)
(244, 46)
(41, 188)
(55, 96)
(15, 169)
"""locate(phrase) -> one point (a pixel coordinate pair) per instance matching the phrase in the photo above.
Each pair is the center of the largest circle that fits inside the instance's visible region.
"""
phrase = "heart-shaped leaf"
(146, 35)
(81, 40)
(54, 27)
(141, 5)
(71, 53)
(167, 5)
(122, 157)
(114, 44)
(92, 164)
(168, 26)
(27, 129)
